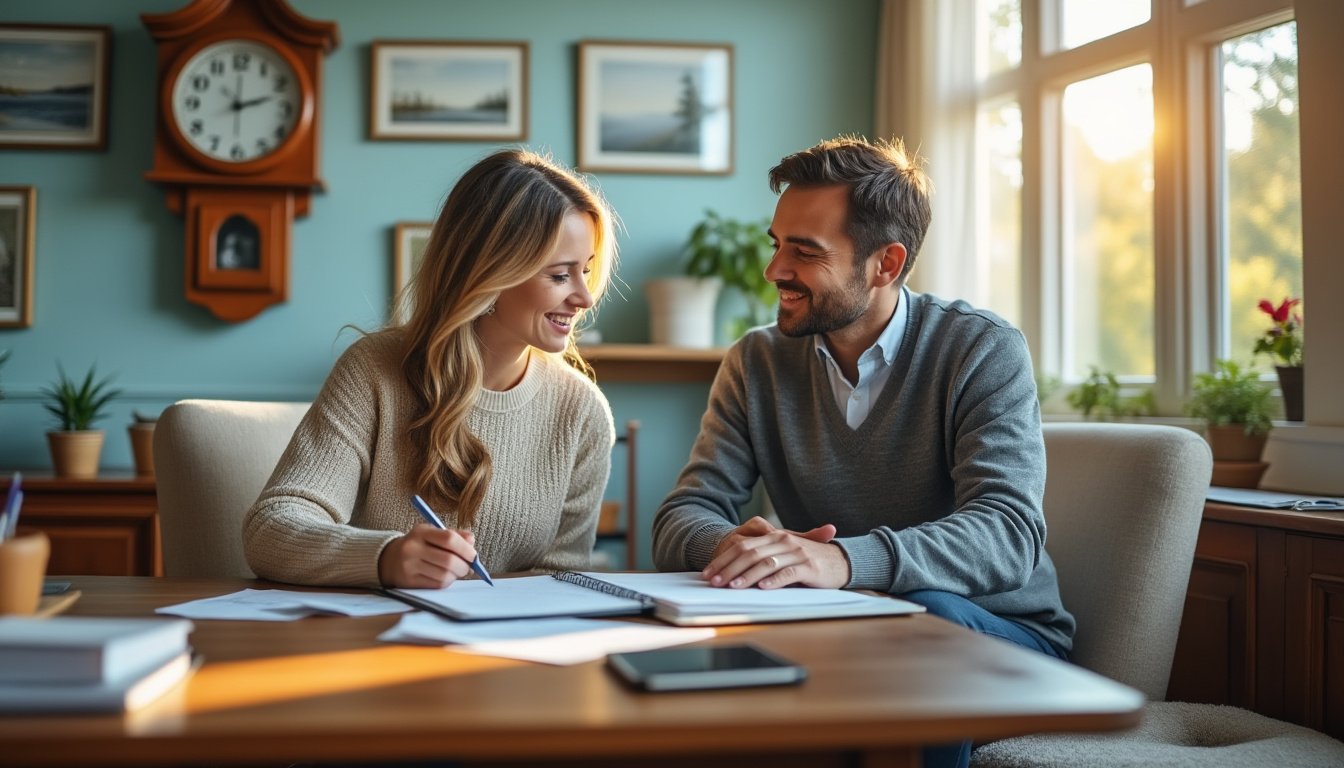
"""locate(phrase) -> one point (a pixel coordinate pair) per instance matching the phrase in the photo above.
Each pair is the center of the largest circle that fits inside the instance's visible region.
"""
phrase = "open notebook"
(683, 599)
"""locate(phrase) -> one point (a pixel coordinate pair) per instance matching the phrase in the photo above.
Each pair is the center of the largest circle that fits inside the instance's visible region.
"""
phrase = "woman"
(474, 403)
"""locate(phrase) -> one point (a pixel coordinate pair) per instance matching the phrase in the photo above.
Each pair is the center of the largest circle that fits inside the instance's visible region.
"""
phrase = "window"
(1261, 168)
(1119, 178)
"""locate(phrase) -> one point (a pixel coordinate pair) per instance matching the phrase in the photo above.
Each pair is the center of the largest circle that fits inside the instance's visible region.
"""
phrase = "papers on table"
(284, 605)
(1273, 499)
(549, 641)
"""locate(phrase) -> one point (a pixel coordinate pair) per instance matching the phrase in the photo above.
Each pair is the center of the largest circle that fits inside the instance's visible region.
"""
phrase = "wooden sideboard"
(107, 526)
(1264, 616)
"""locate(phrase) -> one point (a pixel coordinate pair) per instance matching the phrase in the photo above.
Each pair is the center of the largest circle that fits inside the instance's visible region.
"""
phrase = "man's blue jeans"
(959, 610)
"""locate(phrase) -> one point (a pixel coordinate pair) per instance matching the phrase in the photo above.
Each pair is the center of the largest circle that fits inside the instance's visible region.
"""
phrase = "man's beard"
(829, 311)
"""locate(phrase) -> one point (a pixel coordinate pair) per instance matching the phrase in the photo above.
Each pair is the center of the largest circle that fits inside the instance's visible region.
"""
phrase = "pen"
(11, 509)
(433, 519)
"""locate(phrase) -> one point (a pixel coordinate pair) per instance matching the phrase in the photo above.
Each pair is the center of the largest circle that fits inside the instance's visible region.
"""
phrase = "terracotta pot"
(1238, 474)
(142, 448)
(1231, 443)
(75, 454)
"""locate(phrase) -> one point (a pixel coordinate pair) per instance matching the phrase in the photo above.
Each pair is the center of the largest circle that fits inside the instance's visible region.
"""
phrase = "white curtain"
(926, 95)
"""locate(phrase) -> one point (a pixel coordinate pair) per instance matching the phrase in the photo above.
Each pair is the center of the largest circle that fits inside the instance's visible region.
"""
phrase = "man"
(898, 435)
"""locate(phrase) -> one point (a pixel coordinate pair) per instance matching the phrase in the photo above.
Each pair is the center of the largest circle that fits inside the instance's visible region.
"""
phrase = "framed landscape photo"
(655, 107)
(53, 86)
(409, 239)
(441, 90)
(18, 216)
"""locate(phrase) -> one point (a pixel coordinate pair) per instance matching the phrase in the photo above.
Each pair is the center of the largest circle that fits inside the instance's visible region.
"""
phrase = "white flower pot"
(681, 310)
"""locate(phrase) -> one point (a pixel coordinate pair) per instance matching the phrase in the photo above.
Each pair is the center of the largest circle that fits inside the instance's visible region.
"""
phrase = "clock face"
(237, 101)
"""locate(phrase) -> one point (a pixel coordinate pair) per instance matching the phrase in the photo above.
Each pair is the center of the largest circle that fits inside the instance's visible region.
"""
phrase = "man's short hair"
(888, 190)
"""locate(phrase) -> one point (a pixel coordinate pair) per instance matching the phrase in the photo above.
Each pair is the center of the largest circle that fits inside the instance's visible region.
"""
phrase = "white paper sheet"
(548, 641)
(284, 605)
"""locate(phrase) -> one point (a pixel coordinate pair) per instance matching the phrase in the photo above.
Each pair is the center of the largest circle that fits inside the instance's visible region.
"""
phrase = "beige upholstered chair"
(212, 458)
(1123, 504)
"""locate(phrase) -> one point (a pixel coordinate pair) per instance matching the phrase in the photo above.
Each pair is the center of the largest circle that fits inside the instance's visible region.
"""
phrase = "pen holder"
(23, 563)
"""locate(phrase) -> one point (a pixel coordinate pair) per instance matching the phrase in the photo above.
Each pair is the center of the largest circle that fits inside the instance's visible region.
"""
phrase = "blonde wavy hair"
(496, 230)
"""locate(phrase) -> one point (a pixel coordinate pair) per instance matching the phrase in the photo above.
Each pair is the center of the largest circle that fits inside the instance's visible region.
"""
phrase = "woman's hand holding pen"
(427, 558)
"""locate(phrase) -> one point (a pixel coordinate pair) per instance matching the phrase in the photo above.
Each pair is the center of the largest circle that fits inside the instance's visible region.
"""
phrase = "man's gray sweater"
(939, 488)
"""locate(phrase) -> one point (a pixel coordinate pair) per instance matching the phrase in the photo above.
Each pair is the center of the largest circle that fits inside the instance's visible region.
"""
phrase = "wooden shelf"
(107, 525)
(652, 363)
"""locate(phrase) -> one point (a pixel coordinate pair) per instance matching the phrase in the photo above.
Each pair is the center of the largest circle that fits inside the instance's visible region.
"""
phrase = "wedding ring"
(774, 562)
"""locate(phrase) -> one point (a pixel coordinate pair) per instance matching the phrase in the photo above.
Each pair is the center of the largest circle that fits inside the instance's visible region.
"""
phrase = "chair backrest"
(212, 458)
(1123, 503)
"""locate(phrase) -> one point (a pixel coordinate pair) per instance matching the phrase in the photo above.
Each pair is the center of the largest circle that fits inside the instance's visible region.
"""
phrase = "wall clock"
(236, 142)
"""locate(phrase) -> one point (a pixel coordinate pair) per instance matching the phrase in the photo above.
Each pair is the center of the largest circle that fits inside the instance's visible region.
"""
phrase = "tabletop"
(325, 689)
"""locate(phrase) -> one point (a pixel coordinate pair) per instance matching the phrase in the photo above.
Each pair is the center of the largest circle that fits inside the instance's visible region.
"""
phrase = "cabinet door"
(1314, 605)
(1215, 652)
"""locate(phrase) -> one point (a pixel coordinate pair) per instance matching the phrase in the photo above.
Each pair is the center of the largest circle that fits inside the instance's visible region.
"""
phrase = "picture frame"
(18, 225)
(409, 239)
(647, 107)
(442, 90)
(54, 86)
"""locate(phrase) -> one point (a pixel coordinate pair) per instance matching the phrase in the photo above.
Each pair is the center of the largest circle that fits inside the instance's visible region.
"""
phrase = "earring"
(488, 311)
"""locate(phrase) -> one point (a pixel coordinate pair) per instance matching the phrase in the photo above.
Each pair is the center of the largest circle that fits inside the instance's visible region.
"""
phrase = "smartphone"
(695, 668)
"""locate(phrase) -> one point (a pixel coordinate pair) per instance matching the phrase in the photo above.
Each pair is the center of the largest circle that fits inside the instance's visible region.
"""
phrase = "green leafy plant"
(1099, 394)
(79, 406)
(1232, 395)
(737, 253)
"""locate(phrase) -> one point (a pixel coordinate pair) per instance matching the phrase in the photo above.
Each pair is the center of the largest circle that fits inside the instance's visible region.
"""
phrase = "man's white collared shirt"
(856, 400)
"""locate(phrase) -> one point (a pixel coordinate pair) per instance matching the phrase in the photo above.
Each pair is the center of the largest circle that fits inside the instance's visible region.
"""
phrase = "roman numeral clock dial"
(236, 142)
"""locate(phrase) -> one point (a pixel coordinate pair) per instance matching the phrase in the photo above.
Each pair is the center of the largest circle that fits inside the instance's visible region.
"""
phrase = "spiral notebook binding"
(605, 587)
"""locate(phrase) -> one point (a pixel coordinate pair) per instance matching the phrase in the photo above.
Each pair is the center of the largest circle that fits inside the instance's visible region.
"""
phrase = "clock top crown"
(243, 14)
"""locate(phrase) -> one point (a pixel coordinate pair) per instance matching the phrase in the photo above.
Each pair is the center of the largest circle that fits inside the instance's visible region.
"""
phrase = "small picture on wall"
(18, 215)
(655, 107)
(53, 86)
(409, 239)
(448, 90)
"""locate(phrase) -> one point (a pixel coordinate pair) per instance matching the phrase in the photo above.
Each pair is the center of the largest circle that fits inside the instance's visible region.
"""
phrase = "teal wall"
(109, 263)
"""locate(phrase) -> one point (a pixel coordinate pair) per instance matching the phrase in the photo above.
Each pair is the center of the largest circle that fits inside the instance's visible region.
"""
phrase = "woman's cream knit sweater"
(342, 489)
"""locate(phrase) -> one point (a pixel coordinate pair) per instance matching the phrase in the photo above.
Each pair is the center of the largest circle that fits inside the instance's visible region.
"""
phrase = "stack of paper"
(86, 664)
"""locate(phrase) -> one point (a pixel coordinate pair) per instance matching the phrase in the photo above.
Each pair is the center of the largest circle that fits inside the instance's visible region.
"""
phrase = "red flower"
(1283, 340)
(1279, 313)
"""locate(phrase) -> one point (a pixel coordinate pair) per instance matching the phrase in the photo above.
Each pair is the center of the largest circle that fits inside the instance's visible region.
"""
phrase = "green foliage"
(1100, 394)
(737, 253)
(78, 406)
(1231, 395)
(1045, 387)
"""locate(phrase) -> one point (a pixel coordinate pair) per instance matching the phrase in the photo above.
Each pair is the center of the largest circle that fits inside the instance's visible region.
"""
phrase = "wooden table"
(324, 689)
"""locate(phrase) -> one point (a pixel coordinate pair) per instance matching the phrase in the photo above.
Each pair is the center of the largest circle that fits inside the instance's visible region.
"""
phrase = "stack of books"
(88, 664)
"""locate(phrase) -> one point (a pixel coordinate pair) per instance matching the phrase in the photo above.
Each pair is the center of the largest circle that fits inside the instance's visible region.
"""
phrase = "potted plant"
(1236, 409)
(737, 253)
(1283, 343)
(76, 446)
(720, 252)
(1100, 394)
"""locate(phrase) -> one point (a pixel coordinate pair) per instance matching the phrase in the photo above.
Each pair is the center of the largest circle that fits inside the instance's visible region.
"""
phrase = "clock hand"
(238, 107)
(253, 102)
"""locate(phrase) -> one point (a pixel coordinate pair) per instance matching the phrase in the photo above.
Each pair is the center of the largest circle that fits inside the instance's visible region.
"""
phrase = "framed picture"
(18, 217)
(438, 90)
(409, 239)
(655, 107)
(53, 86)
